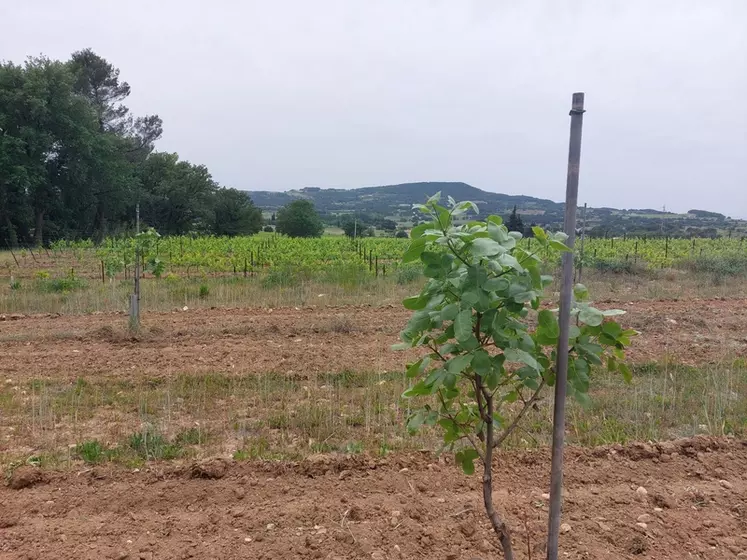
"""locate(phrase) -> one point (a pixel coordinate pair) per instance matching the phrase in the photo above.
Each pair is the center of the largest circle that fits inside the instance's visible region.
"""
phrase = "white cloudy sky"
(340, 93)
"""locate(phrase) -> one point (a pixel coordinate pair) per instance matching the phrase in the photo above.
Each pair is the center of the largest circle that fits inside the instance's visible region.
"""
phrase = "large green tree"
(74, 161)
(235, 213)
(299, 219)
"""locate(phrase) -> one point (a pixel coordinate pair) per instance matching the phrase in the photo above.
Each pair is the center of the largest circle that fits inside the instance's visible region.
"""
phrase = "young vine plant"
(491, 344)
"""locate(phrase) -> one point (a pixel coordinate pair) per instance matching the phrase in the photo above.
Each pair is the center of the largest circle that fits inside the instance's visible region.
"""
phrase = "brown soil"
(355, 507)
(399, 507)
(311, 340)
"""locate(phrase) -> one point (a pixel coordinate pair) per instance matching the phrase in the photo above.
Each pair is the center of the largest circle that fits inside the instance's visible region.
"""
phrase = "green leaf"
(590, 316)
(435, 199)
(580, 292)
(417, 231)
(612, 329)
(458, 364)
(417, 367)
(430, 257)
(463, 207)
(517, 355)
(414, 251)
(470, 344)
(415, 421)
(613, 312)
(484, 247)
(558, 246)
(509, 261)
(481, 362)
(466, 458)
(539, 234)
(463, 325)
(549, 322)
(623, 368)
(449, 312)
(415, 303)
(496, 284)
(497, 232)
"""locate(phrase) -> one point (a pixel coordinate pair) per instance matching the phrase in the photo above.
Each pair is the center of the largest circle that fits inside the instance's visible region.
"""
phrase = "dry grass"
(167, 294)
(274, 416)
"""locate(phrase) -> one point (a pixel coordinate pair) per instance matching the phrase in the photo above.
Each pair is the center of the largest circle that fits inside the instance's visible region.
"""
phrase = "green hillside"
(395, 202)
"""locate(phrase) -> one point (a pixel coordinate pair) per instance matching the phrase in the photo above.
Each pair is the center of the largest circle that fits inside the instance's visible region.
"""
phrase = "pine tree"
(514, 222)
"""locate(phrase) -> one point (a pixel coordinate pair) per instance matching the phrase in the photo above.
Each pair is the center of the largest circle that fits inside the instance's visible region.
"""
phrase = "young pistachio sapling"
(491, 346)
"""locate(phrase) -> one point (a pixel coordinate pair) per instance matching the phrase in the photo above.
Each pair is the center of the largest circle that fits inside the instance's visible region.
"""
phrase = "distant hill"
(395, 202)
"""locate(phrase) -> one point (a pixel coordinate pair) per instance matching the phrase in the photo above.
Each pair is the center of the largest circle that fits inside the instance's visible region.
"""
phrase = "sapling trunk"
(500, 528)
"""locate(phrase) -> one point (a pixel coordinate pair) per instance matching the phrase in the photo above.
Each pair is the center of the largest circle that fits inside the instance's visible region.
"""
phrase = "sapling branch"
(465, 429)
(512, 426)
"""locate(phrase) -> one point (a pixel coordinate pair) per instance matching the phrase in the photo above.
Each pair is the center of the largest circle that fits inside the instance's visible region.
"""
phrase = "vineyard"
(187, 256)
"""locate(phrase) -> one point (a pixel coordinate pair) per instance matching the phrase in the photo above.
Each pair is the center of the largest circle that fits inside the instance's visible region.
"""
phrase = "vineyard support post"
(135, 297)
(103, 278)
(566, 292)
(13, 254)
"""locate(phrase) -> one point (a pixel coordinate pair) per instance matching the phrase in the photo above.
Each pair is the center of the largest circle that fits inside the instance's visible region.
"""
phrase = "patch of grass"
(283, 277)
(60, 285)
(149, 444)
(191, 436)
(354, 447)
(718, 265)
(240, 455)
(616, 266)
(277, 416)
(204, 291)
(260, 448)
(93, 451)
(407, 274)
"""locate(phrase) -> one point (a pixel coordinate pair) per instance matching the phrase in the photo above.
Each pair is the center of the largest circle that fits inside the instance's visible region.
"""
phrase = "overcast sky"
(284, 94)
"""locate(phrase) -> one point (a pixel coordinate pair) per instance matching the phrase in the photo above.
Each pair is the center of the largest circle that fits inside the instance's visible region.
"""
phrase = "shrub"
(407, 274)
(718, 265)
(61, 285)
(268, 229)
(282, 277)
(204, 291)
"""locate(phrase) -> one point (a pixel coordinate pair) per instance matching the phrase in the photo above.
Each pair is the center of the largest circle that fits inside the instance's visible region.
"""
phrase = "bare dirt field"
(410, 506)
(338, 506)
(312, 340)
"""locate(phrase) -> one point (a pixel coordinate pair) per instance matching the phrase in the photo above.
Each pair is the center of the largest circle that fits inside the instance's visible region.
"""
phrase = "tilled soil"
(682, 499)
(312, 340)
(331, 507)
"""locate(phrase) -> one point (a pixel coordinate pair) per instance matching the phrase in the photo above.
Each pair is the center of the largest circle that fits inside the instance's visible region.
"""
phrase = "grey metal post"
(561, 374)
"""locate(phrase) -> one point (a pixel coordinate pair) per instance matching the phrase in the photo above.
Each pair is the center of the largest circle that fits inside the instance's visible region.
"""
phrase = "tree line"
(75, 162)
